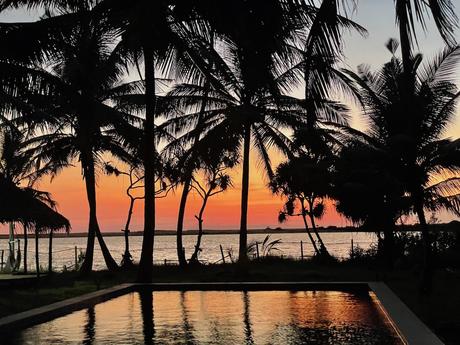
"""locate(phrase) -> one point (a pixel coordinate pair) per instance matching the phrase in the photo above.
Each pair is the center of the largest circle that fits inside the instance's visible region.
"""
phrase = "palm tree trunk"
(304, 217)
(50, 252)
(243, 248)
(146, 261)
(426, 274)
(388, 243)
(180, 222)
(25, 248)
(93, 230)
(37, 255)
(194, 257)
(404, 35)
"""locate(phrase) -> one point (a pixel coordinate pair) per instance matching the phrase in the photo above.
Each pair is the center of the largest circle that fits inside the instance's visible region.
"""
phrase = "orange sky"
(223, 210)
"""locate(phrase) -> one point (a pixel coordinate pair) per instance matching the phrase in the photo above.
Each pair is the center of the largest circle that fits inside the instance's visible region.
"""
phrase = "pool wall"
(406, 324)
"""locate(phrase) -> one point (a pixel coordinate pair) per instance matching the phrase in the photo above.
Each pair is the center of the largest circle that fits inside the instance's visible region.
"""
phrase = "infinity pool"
(217, 317)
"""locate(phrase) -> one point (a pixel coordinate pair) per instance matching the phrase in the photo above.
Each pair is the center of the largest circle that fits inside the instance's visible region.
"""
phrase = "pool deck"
(410, 328)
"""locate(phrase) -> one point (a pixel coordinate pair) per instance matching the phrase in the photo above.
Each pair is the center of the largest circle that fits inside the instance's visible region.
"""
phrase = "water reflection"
(90, 329)
(213, 317)
(247, 320)
(148, 327)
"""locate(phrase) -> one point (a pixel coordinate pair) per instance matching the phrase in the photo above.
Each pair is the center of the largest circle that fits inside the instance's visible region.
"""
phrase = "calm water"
(165, 247)
(275, 317)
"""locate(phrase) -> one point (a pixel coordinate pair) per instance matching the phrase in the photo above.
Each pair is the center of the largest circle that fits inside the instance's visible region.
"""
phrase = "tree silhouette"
(74, 121)
(418, 156)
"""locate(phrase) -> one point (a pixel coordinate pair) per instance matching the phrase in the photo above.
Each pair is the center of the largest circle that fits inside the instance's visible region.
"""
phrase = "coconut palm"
(247, 79)
(368, 192)
(409, 12)
(85, 69)
(419, 157)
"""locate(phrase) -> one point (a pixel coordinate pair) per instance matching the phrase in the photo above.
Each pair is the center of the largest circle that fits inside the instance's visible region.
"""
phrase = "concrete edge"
(408, 326)
(48, 312)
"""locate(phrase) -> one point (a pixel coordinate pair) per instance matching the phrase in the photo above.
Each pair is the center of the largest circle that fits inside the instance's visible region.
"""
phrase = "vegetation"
(180, 93)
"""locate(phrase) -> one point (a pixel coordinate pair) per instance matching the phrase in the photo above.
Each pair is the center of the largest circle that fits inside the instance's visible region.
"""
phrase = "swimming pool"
(221, 317)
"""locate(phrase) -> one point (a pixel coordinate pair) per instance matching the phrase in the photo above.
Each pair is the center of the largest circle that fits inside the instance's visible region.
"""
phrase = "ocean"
(338, 244)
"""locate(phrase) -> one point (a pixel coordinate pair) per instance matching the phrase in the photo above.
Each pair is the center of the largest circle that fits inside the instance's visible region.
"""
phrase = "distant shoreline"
(452, 227)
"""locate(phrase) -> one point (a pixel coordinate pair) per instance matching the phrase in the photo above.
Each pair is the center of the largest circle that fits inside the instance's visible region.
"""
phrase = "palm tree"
(368, 192)
(419, 157)
(245, 92)
(85, 71)
(408, 12)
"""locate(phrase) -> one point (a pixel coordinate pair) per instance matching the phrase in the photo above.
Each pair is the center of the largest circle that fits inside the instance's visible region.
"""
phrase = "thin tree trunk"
(404, 37)
(243, 248)
(186, 190)
(25, 249)
(304, 217)
(315, 230)
(37, 254)
(146, 262)
(50, 253)
(127, 255)
(180, 222)
(93, 231)
(194, 257)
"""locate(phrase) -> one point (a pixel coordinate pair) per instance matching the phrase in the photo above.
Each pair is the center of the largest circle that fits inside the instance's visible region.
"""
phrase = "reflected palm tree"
(90, 326)
(148, 325)
(189, 337)
(247, 319)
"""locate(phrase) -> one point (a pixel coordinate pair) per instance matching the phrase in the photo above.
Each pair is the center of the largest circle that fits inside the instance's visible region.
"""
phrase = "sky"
(377, 16)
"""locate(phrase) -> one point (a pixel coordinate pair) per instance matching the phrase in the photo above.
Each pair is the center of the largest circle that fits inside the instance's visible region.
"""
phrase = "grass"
(439, 310)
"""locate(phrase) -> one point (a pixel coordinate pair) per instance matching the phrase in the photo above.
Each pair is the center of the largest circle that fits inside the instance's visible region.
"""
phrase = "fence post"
(76, 258)
(352, 249)
(222, 253)
(2, 262)
(301, 250)
(257, 250)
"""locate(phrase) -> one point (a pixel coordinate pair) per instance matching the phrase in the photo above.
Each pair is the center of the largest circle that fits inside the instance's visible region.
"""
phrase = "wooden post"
(166, 262)
(301, 250)
(257, 250)
(76, 258)
(352, 249)
(222, 253)
(50, 253)
(37, 255)
(2, 263)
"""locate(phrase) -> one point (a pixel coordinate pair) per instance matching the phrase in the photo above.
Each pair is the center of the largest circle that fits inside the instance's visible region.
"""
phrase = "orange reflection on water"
(221, 317)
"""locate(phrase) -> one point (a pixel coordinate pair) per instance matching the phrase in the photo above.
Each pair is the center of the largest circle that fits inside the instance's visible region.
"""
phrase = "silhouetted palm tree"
(85, 70)
(368, 192)
(418, 156)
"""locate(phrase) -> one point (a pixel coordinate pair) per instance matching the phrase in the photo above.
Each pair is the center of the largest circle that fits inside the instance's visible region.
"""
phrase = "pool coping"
(408, 326)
